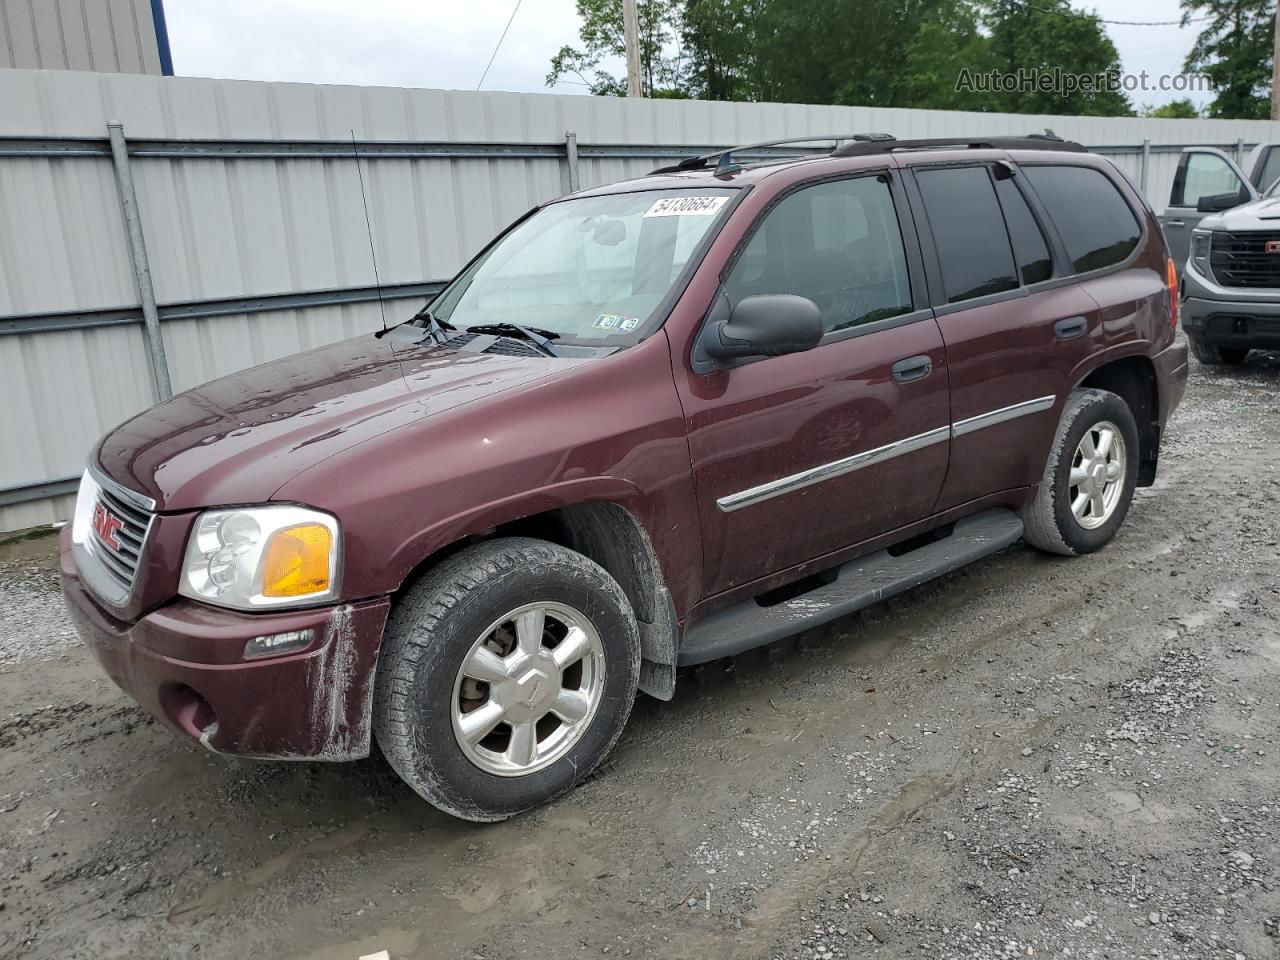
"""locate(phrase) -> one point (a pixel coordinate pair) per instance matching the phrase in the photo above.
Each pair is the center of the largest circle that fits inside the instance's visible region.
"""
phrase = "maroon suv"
(651, 424)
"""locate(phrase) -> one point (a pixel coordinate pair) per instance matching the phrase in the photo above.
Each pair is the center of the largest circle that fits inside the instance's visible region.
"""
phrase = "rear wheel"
(1217, 356)
(1089, 478)
(506, 676)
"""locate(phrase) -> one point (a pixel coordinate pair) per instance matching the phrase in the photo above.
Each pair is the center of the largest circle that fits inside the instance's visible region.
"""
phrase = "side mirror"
(1217, 202)
(766, 325)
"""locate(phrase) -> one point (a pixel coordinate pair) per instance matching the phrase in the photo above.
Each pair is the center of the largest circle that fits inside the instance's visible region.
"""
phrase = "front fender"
(420, 544)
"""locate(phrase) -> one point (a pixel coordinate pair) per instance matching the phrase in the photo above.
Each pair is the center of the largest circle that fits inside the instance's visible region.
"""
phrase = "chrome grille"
(115, 567)
(1242, 260)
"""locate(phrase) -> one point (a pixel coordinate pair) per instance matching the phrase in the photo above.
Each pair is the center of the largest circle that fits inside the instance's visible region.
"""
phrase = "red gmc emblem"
(1272, 246)
(106, 524)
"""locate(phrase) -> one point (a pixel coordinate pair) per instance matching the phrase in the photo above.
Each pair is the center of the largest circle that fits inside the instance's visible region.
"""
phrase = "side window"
(837, 243)
(1203, 175)
(1096, 223)
(969, 231)
(1030, 248)
(1268, 170)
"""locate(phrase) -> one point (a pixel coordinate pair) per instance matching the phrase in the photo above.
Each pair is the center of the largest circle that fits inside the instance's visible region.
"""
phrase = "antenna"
(368, 224)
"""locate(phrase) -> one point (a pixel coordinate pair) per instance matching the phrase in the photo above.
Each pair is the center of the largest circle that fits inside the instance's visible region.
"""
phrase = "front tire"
(1215, 355)
(506, 675)
(1089, 478)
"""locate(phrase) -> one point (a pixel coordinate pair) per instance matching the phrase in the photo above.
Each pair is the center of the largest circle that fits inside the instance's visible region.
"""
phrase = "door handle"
(912, 368)
(1175, 223)
(1070, 328)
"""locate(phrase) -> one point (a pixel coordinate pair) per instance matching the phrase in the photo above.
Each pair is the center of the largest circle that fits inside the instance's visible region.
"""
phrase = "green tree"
(1173, 110)
(662, 64)
(1234, 50)
(1047, 36)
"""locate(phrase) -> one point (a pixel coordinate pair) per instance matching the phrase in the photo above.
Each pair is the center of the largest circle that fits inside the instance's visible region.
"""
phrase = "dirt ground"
(1031, 757)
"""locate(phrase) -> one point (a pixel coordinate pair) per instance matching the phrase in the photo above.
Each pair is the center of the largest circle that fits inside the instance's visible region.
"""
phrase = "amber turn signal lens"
(296, 562)
(1171, 276)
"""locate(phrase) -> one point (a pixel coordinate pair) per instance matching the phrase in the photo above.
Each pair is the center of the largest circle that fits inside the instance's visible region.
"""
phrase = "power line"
(499, 46)
(1117, 23)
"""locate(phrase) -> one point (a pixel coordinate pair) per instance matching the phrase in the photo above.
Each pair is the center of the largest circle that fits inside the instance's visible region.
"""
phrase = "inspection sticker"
(686, 207)
(616, 321)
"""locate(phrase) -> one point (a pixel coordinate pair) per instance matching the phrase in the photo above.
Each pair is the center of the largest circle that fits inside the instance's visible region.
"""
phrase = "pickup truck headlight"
(249, 558)
(1200, 240)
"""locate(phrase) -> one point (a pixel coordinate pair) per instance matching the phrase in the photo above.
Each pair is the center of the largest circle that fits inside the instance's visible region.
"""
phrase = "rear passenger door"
(1013, 331)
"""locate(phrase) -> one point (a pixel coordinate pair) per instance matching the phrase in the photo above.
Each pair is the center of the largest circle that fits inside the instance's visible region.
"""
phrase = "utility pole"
(1275, 71)
(631, 31)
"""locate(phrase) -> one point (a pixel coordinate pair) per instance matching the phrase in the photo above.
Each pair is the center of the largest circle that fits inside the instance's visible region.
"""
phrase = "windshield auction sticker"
(686, 207)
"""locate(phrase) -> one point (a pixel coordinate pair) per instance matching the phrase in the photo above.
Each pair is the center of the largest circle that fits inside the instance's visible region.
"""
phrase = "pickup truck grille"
(1242, 260)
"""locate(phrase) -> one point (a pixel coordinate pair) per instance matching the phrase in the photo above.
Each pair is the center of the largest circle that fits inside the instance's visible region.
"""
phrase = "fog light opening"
(275, 644)
(190, 712)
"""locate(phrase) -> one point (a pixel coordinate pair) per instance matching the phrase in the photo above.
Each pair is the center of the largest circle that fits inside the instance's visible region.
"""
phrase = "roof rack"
(1034, 141)
(724, 158)
(869, 144)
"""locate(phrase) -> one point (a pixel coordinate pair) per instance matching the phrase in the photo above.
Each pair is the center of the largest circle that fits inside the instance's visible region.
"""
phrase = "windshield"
(587, 268)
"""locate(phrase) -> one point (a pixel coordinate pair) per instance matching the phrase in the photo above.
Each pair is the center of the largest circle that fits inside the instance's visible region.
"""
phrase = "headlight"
(83, 517)
(1200, 240)
(254, 557)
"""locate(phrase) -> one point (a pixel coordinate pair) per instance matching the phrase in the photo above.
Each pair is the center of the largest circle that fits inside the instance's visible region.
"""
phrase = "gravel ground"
(1031, 757)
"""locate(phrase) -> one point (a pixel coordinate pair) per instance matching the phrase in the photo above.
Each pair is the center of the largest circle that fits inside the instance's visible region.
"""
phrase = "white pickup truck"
(1224, 226)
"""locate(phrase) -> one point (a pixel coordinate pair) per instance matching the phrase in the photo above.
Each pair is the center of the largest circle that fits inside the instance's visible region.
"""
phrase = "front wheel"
(506, 675)
(1216, 355)
(1089, 478)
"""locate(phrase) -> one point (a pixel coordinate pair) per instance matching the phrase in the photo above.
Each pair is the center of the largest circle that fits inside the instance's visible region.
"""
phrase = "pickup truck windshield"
(587, 268)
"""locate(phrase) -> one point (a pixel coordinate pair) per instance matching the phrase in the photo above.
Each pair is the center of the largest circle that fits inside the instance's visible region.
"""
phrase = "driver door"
(1202, 172)
(798, 456)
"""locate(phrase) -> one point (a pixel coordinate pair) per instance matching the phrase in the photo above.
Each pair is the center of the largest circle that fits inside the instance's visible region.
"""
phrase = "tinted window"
(1095, 223)
(837, 243)
(1029, 246)
(969, 231)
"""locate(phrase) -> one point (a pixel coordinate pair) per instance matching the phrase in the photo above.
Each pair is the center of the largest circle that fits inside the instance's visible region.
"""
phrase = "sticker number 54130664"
(686, 207)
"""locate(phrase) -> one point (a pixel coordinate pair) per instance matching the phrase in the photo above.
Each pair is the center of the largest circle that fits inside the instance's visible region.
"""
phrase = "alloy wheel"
(528, 689)
(1096, 482)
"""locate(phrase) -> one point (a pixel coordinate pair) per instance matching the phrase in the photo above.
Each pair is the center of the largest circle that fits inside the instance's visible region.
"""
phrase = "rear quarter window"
(1096, 223)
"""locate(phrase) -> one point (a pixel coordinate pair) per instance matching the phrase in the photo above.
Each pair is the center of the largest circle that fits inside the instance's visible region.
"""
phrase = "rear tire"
(487, 749)
(1089, 478)
(1215, 355)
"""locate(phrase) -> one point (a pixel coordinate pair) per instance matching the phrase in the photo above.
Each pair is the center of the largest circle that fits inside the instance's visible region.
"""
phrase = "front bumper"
(1233, 323)
(1230, 317)
(183, 663)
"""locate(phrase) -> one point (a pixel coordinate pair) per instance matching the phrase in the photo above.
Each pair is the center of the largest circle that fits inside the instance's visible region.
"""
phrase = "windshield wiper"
(539, 338)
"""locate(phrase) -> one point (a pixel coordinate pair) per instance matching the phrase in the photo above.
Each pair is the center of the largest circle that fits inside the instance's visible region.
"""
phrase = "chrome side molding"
(992, 417)
(838, 468)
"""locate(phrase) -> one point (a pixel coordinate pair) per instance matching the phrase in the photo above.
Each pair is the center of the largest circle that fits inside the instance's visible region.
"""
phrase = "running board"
(858, 583)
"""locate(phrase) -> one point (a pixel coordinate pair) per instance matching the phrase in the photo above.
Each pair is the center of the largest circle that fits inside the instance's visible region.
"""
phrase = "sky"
(447, 43)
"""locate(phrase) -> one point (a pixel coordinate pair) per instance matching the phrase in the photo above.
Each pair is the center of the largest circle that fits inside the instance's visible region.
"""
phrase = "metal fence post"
(1240, 151)
(571, 156)
(160, 386)
(1146, 165)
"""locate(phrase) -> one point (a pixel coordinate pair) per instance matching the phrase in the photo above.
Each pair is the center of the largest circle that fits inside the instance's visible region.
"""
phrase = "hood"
(240, 438)
(1262, 214)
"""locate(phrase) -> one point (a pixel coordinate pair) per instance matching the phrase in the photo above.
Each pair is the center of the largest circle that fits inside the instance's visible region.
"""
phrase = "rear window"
(969, 232)
(1097, 225)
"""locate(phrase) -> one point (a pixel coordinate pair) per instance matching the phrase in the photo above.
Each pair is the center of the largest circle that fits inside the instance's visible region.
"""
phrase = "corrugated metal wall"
(109, 36)
(228, 227)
